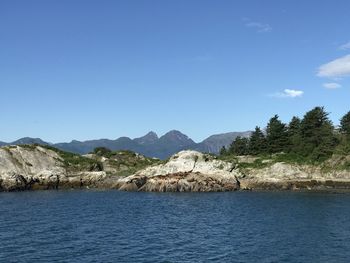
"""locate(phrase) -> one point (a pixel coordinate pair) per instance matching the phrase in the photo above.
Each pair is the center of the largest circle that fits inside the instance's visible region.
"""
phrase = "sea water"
(112, 226)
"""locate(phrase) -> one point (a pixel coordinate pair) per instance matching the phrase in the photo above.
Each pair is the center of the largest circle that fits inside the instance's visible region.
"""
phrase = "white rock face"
(185, 171)
(24, 168)
(293, 177)
(190, 161)
(283, 171)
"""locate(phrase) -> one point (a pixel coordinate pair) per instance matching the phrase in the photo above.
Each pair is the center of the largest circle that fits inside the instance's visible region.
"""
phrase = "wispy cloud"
(345, 46)
(332, 85)
(335, 69)
(258, 26)
(288, 93)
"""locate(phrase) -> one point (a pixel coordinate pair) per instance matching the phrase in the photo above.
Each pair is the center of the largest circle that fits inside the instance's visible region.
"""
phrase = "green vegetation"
(103, 151)
(345, 125)
(72, 161)
(310, 140)
(257, 143)
(276, 136)
(240, 146)
(120, 163)
(124, 162)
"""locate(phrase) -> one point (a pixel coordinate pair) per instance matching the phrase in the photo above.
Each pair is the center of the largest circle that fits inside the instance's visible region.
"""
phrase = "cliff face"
(36, 167)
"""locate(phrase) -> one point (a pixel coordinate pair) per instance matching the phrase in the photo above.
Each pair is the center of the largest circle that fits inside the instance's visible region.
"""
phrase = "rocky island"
(35, 167)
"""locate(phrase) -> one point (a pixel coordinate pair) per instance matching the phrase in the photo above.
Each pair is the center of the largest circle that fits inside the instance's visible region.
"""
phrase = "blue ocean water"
(111, 226)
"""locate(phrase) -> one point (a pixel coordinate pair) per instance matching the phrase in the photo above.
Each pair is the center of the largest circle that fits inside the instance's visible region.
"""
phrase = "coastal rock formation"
(33, 167)
(185, 171)
(194, 171)
(36, 167)
(284, 176)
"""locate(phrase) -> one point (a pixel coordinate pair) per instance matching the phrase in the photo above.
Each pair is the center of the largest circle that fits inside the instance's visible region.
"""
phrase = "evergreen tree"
(294, 136)
(223, 151)
(317, 135)
(257, 142)
(345, 125)
(345, 134)
(239, 146)
(276, 135)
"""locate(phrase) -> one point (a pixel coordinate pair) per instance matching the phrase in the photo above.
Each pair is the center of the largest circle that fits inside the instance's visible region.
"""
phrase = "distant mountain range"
(149, 145)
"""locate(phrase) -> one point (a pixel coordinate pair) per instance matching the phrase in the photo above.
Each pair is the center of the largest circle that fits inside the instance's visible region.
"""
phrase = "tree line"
(313, 137)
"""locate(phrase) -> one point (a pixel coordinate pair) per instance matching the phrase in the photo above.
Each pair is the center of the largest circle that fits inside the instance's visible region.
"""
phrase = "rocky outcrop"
(36, 167)
(194, 171)
(187, 171)
(121, 163)
(284, 176)
(43, 167)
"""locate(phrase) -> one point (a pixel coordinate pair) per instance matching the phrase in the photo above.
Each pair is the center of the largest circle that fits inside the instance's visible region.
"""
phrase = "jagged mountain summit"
(149, 138)
(149, 145)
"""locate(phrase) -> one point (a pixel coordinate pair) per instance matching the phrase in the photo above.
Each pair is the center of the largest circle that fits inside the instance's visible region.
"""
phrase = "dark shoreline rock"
(297, 185)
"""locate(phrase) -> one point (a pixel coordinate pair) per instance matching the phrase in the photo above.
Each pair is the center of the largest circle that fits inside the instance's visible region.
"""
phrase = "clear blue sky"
(83, 69)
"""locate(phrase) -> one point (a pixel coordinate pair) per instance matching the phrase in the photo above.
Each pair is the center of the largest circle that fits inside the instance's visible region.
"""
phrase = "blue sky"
(82, 70)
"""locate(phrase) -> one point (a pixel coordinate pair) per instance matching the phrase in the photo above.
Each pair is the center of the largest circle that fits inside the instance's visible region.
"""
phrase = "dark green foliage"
(124, 162)
(344, 135)
(276, 135)
(76, 162)
(239, 146)
(310, 140)
(317, 135)
(102, 151)
(345, 125)
(294, 136)
(223, 150)
(257, 142)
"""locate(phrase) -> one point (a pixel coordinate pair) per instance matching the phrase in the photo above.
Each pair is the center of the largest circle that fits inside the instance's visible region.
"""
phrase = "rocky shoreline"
(42, 168)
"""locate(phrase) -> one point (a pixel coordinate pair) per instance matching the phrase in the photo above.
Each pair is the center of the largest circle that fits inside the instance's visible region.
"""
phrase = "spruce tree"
(257, 142)
(294, 136)
(345, 134)
(317, 135)
(345, 125)
(239, 146)
(223, 151)
(276, 135)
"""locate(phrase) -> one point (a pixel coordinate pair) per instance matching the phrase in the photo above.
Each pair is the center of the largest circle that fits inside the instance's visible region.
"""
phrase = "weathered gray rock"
(25, 168)
(36, 167)
(284, 176)
(185, 171)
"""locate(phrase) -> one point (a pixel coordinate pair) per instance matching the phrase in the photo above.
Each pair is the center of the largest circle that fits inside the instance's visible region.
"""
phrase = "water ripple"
(110, 226)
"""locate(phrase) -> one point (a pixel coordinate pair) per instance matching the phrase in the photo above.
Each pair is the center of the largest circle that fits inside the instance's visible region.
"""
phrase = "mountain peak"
(176, 136)
(151, 134)
(149, 138)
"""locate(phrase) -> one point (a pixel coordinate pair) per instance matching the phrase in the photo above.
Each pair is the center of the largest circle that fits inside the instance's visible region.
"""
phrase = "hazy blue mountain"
(28, 140)
(168, 144)
(214, 143)
(150, 144)
(122, 143)
(149, 138)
